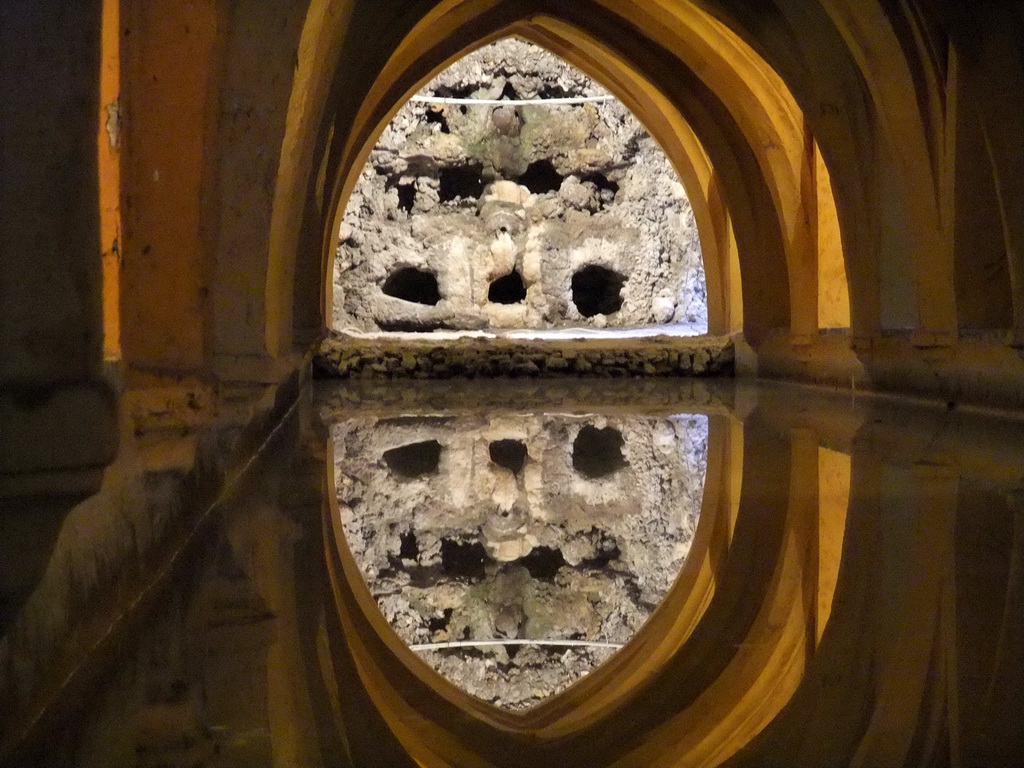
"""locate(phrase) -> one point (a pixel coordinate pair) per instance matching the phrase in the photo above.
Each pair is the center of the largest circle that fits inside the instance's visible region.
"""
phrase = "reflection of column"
(804, 528)
(730, 438)
(919, 504)
(264, 541)
(834, 470)
(989, 685)
(722, 480)
(28, 535)
(1006, 700)
(825, 718)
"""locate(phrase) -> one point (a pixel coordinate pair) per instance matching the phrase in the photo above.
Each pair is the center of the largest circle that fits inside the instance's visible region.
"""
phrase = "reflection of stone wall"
(475, 216)
(540, 527)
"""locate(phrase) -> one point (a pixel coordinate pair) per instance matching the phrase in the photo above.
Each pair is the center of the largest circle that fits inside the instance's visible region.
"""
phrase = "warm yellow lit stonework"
(172, 176)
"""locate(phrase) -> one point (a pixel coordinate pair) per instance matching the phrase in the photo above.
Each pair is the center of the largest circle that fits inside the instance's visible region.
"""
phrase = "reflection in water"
(529, 527)
(261, 643)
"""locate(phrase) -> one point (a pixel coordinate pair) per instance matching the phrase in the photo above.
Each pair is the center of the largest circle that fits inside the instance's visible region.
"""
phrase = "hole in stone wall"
(510, 454)
(543, 562)
(466, 560)
(607, 552)
(406, 197)
(549, 91)
(437, 116)
(541, 177)
(597, 290)
(509, 289)
(414, 459)
(411, 284)
(410, 548)
(461, 181)
(439, 623)
(606, 188)
(597, 452)
(406, 194)
(464, 91)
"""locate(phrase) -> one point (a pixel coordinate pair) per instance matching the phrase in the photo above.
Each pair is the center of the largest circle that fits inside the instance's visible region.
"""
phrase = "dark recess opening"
(412, 325)
(466, 560)
(406, 194)
(410, 549)
(606, 188)
(508, 92)
(597, 290)
(510, 454)
(461, 181)
(597, 452)
(437, 623)
(607, 551)
(411, 284)
(465, 91)
(406, 197)
(437, 116)
(541, 177)
(554, 91)
(508, 289)
(543, 562)
(415, 459)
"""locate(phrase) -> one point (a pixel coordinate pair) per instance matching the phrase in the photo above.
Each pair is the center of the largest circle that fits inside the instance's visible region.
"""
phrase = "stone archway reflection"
(534, 547)
(718, 659)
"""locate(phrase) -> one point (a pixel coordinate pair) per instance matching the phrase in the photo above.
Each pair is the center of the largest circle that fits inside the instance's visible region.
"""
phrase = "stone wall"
(519, 526)
(414, 356)
(475, 216)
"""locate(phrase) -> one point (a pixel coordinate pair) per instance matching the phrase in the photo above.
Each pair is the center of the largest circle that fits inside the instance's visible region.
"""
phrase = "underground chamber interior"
(515, 553)
(555, 210)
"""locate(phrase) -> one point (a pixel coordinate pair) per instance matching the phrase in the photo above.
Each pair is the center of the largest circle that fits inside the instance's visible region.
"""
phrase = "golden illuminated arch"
(759, 186)
(429, 48)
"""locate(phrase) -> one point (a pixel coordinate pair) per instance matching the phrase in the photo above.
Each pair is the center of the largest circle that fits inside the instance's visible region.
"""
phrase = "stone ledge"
(345, 356)
(979, 370)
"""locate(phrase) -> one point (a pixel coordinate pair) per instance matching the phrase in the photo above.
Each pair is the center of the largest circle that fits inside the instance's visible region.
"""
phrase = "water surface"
(794, 578)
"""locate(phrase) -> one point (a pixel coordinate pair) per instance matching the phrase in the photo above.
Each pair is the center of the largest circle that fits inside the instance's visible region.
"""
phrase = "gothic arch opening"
(536, 199)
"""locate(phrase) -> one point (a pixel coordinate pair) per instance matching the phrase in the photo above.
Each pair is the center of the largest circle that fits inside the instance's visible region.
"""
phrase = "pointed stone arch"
(736, 174)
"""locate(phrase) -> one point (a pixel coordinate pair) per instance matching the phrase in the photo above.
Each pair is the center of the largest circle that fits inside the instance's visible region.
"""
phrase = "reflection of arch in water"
(607, 512)
(716, 662)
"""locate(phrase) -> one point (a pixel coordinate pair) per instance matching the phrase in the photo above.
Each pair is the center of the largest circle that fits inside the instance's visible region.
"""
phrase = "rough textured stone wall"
(519, 526)
(517, 216)
(409, 356)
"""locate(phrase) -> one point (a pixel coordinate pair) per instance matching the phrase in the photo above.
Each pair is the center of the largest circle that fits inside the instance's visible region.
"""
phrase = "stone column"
(58, 427)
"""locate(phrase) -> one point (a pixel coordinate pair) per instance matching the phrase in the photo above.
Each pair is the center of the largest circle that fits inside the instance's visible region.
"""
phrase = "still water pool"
(610, 573)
